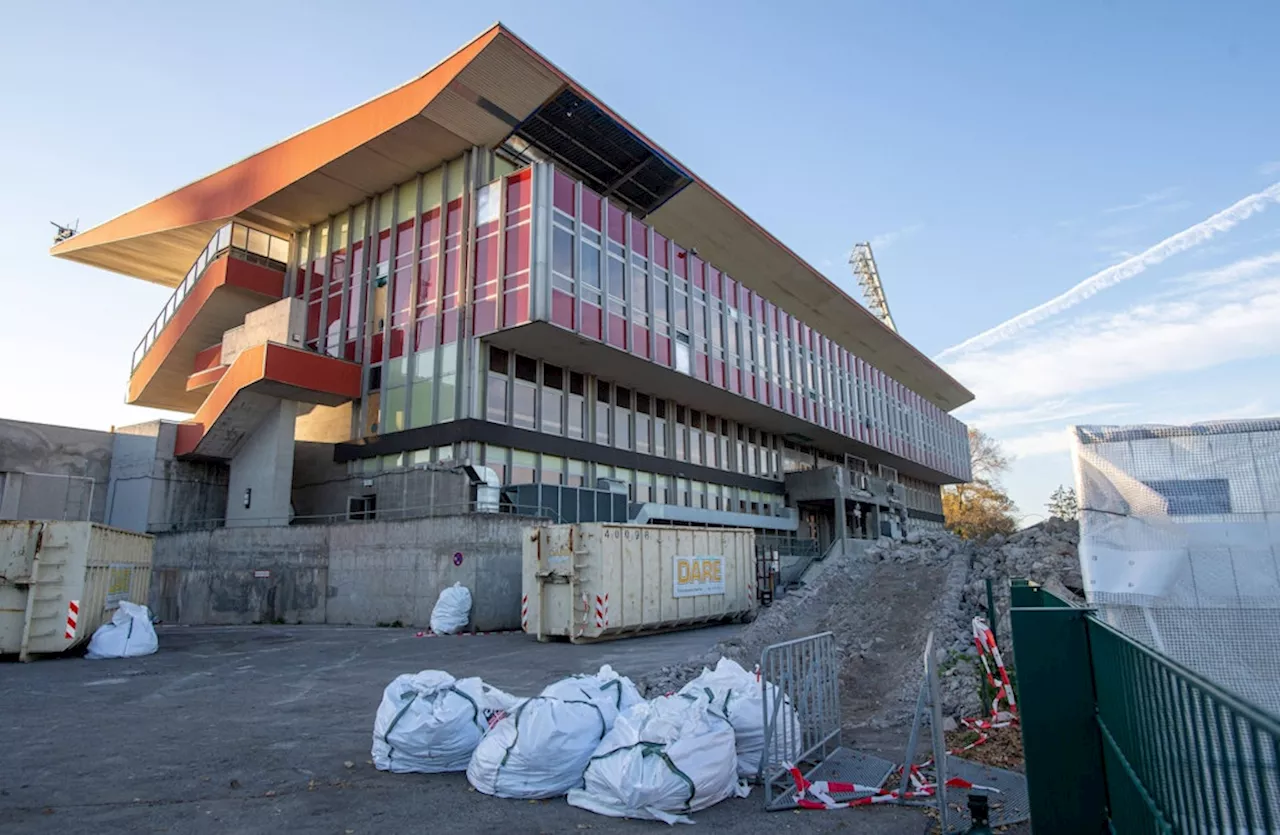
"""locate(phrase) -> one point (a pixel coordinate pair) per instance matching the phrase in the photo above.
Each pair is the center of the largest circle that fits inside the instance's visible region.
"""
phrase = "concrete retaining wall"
(360, 574)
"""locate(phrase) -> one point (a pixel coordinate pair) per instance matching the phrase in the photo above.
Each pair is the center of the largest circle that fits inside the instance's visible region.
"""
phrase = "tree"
(981, 509)
(1063, 504)
(978, 510)
(989, 459)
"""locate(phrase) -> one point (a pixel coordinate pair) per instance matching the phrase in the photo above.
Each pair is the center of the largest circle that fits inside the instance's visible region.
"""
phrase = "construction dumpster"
(598, 580)
(59, 581)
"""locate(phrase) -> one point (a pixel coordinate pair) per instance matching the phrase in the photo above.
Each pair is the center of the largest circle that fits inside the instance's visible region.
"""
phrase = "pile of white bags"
(542, 749)
(127, 634)
(452, 610)
(739, 696)
(662, 759)
(430, 722)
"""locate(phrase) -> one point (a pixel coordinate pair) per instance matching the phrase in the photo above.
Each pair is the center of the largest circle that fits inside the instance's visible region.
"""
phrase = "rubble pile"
(881, 602)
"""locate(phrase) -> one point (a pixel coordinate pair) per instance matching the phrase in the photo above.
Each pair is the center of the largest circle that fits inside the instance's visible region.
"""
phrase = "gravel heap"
(881, 602)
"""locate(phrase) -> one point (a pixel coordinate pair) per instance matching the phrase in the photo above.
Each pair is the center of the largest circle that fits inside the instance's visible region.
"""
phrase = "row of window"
(532, 394)
(515, 466)
(612, 278)
(616, 280)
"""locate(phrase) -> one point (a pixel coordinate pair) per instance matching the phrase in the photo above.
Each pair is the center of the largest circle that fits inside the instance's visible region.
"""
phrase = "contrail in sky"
(1193, 236)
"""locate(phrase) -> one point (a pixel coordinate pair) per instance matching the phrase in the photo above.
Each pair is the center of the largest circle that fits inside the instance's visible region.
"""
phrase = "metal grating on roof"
(610, 158)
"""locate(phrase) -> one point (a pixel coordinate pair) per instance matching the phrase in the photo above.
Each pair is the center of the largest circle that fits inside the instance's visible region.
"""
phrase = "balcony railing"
(246, 242)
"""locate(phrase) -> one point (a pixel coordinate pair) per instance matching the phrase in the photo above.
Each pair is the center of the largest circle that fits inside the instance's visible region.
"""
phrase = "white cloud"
(1188, 238)
(888, 239)
(1229, 314)
(1146, 200)
(1269, 169)
(1053, 411)
(1049, 442)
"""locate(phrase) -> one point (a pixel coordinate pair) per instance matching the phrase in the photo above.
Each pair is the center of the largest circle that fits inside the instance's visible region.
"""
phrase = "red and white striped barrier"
(992, 664)
(73, 617)
(602, 611)
(989, 653)
(524, 613)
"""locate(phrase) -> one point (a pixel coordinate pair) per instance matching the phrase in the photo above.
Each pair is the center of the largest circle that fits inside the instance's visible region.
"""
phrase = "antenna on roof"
(864, 269)
(65, 232)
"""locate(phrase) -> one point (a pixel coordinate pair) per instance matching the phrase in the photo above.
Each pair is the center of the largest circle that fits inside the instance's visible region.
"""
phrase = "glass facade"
(411, 282)
(615, 280)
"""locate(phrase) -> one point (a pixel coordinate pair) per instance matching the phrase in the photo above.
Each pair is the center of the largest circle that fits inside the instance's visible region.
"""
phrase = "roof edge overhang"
(149, 242)
(233, 190)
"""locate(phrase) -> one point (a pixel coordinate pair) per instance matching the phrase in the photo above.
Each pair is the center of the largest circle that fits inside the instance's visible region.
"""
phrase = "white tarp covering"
(662, 760)
(129, 633)
(1179, 543)
(452, 610)
(430, 722)
(739, 696)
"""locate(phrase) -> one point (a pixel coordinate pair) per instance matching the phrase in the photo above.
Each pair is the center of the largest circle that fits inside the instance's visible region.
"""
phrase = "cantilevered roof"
(493, 89)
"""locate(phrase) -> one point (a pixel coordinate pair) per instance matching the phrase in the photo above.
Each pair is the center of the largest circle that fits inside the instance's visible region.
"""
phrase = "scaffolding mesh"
(1179, 536)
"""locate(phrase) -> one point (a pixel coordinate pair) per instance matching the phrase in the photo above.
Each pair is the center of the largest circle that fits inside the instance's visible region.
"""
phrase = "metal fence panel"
(1176, 751)
(801, 710)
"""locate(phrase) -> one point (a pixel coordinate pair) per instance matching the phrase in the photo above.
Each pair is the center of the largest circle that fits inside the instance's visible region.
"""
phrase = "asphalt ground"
(267, 729)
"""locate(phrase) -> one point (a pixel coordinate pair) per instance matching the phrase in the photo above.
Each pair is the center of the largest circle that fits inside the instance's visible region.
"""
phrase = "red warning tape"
(990, 656)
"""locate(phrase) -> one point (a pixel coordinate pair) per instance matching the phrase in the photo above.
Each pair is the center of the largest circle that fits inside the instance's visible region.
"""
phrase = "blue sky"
(998, 154)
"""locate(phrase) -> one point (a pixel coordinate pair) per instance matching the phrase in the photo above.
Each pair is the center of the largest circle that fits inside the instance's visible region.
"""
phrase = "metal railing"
(1119, 736)
(356, 517)
(801, 698)
(252, 244)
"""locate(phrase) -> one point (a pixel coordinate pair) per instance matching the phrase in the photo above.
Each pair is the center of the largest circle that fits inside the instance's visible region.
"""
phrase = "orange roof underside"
(434, 118)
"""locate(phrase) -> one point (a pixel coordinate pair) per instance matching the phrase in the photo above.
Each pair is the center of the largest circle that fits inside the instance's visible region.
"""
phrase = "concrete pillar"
(842, 523)
(261, 472)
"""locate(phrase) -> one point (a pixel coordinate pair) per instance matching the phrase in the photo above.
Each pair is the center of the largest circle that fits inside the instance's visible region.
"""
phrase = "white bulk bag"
(430, 722)
(739, 696)
(609, 691)
(539, 751)
(662, 759)
(129, 633)
(452, 610)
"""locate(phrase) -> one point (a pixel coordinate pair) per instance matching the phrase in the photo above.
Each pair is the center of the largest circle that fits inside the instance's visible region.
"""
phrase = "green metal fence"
(1120, 738)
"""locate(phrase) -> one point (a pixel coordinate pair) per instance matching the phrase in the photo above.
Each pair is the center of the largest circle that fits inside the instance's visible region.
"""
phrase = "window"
(684, 362)
(524, 393)
(522, 467)
(496, 386)
(660, 428)
(362, 508)
(712, 428)
(602, 413)
(575, 473)
(680, 433)
(495, 458)
(642, 423)
(552, 469)
(552, 397)
(577, 406)
(1194, 497)
(622, 418)
(695, 437)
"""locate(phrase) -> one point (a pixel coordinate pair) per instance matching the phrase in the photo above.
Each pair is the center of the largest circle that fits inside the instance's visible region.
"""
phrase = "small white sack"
(129, 633)
(662, 759)
(609, 691)
(539, 751)
(430, 722)
(452, 610)
(739, 695)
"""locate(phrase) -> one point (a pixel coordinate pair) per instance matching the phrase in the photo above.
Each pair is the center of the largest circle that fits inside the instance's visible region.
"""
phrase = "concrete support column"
(261, 474)
(842, 523)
